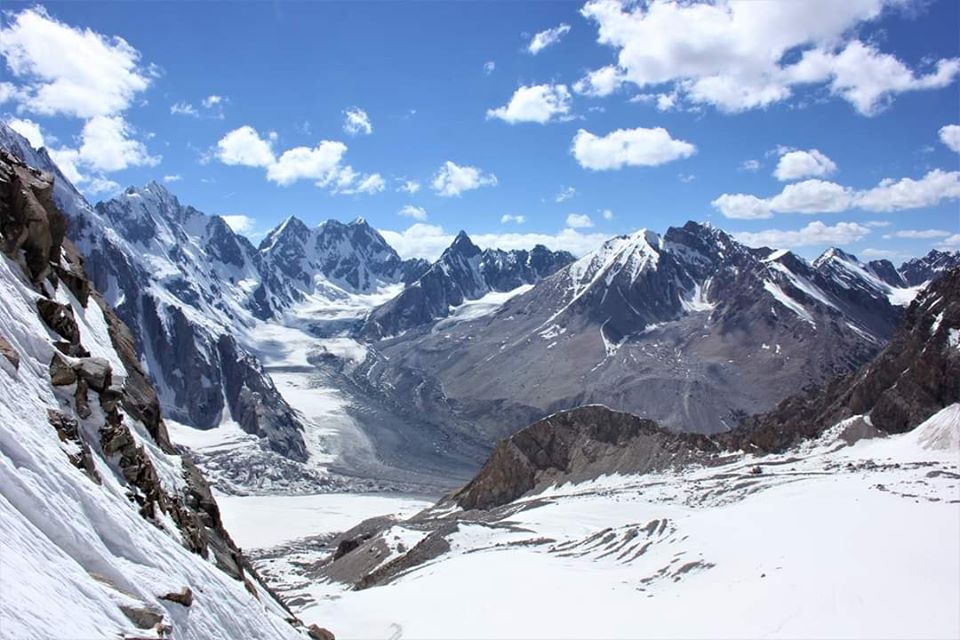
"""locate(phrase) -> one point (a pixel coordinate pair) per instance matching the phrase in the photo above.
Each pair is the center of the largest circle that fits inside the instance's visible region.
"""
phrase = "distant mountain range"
(689, 328)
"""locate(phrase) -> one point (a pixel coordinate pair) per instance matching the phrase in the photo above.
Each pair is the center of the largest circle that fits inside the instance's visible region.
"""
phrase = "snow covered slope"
(105, 531)
(825, 541)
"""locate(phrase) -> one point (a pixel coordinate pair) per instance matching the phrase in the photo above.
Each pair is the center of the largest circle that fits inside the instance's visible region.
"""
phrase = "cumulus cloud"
(508, 218)
(750, 165)
(212, 101)
(565, 194)
(579, 221)
(950, 136)
(602, 82)
(546, 38)
(240, 223)
(409, 186)
(796, 164)
(107, 145)
(820, 196)
(907, 193)
(452, 179)
(29, 130)
(814, 234)
(322, 163)
(356, 122)
(244, 146)
(951, 243)
(428, 241)
(45, 56)
(638, 147)
(411, 211)
(539, 103)
(732, 55)
(98, 185)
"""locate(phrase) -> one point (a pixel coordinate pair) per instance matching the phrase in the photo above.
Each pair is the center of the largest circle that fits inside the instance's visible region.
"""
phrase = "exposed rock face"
(577, 445)
(912, 378)
(691, 329)
(126, 403)
(929, 267)
(462, 273)
(8, 352)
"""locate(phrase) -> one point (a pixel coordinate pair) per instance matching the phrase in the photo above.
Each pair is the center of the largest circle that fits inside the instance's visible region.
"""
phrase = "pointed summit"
(463, 246)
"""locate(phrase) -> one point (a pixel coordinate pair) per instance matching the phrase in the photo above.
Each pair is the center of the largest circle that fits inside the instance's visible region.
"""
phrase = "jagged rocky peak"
(834, 254)
(924, 269)
(291, 230)
(462, 246)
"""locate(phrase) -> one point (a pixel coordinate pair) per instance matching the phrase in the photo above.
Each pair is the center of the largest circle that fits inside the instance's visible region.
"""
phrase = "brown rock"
(144, 617)
(80, 402)
(319, 633)
(8, 352)
(60, 318)
(61, 373)
(96, 371)
(184, 597)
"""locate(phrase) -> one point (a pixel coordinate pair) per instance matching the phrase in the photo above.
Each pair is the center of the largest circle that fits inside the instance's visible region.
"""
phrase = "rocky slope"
(691, 329)
(463, 272)
(926, 268)
(109, 531)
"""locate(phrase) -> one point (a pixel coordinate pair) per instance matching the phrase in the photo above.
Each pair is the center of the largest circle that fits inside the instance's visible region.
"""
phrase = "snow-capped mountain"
(924, 269)
(602, 507)
(463, 273)
(352, 256)
(691, 329)
(108, 530)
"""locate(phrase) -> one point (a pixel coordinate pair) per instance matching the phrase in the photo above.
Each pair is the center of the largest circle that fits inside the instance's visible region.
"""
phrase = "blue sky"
(788, 123)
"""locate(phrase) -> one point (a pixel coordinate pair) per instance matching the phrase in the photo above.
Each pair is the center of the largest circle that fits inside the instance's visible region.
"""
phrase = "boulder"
(319, 633)
(184, 596)
(8, 352)
(61, 372)
(144, 617)
(60, 318)
(96, 371)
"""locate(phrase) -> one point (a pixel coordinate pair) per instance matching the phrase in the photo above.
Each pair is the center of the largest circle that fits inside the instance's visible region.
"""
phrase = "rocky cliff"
(95, 496)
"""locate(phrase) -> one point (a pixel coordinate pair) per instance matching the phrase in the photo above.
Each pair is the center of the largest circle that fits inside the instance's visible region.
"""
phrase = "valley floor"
(828, 541)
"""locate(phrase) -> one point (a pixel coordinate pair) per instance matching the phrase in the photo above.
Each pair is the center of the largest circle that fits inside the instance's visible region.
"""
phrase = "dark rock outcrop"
(577, 445)
(9, 353)
(929, 267)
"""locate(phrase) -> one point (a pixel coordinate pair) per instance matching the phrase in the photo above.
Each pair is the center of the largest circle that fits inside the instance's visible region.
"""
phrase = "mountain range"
(689, 328)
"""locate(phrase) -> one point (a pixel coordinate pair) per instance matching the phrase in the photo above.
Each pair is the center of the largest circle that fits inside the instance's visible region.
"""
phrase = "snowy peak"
(461, 247)
(921, 270)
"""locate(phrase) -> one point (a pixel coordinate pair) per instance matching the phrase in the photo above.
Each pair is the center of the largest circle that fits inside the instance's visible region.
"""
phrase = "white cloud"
(176, 177)
(733, 55)
(546, 38)
(820, 196)
(489, 67)
(29, 130)
(106, 145)
(67, 71)
(240, 223)
(539, 103)
(452, 179)
(565, 194)
(602, 82)
(245, 147)
(579, 221)
(368, 184)
(356, 121)
(953, 242)
(628, 147)
(184, 109)
(879, 253)
(68, 160)
(908, 193)
(918, 234)
(212, 101)
(409, 186)
(879, 224)
(507, 218)
(750, 165)
(411, 211)
(320, 164)
(686, 178)
(98, 185)
(428, 241)
(607, 214)
(950, 136)
(797, 164)
(815, 233)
